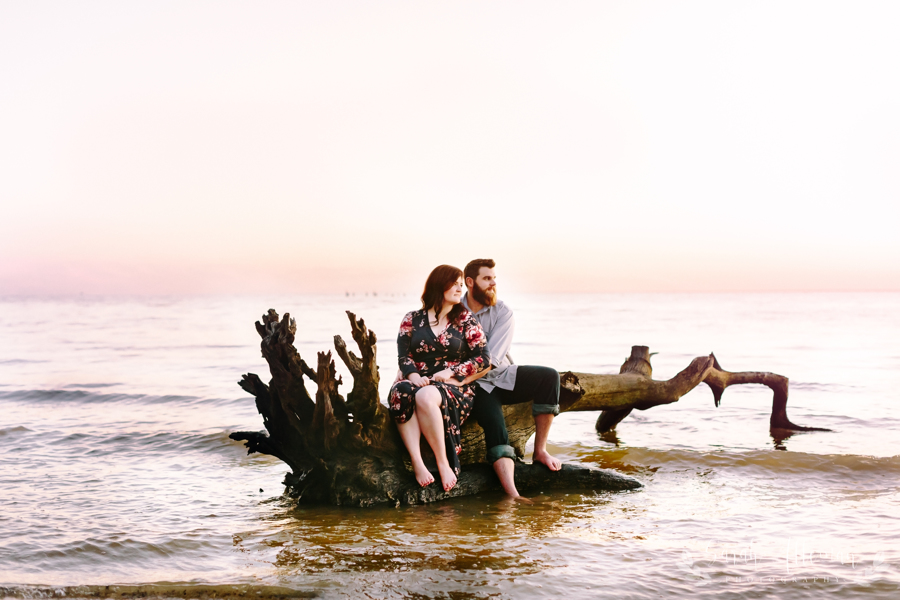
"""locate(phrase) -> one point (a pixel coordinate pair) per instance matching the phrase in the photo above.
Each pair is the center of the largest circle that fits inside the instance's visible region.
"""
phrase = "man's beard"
(486, 297)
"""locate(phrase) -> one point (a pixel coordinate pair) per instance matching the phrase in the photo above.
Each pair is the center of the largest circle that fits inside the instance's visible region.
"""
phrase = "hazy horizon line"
(379, 294)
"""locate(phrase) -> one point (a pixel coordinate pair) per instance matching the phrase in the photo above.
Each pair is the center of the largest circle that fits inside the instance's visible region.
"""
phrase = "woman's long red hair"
(439, 281)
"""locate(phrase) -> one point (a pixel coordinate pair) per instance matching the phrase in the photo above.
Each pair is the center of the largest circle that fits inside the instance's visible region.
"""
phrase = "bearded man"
(507, 382)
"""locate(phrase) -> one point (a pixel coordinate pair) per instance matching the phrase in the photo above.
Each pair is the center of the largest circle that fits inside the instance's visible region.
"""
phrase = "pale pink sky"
(215, 147)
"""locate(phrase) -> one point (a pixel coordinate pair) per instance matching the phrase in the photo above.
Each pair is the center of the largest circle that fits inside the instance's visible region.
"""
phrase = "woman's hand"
(417, 380)
(446, 376)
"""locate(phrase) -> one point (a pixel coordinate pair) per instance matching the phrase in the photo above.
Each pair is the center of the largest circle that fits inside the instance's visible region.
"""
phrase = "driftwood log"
(348, 451)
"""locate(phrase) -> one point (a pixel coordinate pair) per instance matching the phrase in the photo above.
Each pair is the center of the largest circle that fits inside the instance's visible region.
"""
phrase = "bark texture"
(348, 451)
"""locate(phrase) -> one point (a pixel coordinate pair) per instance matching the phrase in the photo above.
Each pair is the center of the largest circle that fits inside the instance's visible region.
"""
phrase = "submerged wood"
(347, 451)
(634, 388)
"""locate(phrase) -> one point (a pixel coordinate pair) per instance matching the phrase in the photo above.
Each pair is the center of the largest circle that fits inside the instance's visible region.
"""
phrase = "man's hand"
(417, 380)
(476, 376)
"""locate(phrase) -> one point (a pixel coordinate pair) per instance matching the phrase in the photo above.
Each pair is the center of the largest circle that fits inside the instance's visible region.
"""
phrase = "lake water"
(116, 467)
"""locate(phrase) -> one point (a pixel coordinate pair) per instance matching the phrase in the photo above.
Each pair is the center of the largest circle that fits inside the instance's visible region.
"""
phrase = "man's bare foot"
(423, 475)
(543, 457)
(510, 500)
(448, 477)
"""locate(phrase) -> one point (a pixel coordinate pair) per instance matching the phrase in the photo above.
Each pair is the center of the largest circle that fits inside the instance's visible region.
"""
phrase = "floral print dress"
(462, 347)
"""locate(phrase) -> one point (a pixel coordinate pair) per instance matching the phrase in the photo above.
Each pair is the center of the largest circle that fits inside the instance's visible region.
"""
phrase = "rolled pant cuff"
(497, 452)
(544, 409)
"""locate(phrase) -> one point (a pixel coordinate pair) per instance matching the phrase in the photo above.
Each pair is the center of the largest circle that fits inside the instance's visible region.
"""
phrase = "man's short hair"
(474, 267)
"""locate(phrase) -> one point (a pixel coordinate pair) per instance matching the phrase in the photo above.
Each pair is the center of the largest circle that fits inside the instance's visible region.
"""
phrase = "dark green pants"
(538, 385)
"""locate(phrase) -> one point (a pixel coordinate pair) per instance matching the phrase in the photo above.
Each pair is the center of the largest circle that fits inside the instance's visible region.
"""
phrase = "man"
(507, 383)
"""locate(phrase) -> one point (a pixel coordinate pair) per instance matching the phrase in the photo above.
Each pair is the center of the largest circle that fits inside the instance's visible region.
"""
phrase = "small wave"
(89, 385)
(878, 422)
(20, 361)
(156, 590)
(13, 430)
(760, 460)
(143, 443)
(812, 386)
(79, 396)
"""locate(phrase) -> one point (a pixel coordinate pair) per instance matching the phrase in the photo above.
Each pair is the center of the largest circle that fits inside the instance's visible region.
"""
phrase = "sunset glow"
(199, 148)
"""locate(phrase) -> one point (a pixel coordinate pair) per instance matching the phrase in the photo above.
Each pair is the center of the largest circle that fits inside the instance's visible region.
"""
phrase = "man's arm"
(500, 336)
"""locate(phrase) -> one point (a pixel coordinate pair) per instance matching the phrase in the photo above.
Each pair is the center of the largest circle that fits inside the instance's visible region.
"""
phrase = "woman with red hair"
(441, 350)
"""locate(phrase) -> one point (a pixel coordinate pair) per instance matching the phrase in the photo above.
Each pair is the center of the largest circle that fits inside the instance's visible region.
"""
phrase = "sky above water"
(241, 147)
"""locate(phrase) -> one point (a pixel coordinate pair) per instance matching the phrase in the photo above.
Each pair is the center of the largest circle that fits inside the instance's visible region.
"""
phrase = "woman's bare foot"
(543, 457)
(423, 475)
(448, 477)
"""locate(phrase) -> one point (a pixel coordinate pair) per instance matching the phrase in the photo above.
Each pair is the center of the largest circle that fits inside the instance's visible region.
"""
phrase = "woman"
(441, 350)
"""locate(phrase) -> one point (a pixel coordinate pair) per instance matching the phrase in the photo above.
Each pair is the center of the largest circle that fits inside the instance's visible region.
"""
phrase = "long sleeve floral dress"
(462, 347)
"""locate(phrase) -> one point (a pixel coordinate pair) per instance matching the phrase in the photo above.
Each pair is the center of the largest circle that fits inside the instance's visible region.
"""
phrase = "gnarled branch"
(349, 452)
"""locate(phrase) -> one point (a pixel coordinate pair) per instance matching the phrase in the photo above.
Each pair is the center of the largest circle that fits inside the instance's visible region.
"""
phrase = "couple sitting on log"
(454, 361)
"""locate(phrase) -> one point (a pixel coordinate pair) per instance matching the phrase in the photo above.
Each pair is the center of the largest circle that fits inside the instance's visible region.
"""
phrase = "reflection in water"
(485, 533)
(780, 436)
(471, 547)
(610, 437)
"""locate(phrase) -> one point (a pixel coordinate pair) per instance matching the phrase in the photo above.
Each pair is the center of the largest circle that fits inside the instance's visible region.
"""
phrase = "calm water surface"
(117, 468)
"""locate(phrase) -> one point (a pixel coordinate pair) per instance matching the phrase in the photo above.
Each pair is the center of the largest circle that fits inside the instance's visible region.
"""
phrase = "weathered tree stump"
(348, 451)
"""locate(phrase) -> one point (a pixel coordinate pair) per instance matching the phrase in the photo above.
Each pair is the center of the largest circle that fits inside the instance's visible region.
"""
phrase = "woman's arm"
(479, 361)
(479, 358)
(404, 355)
